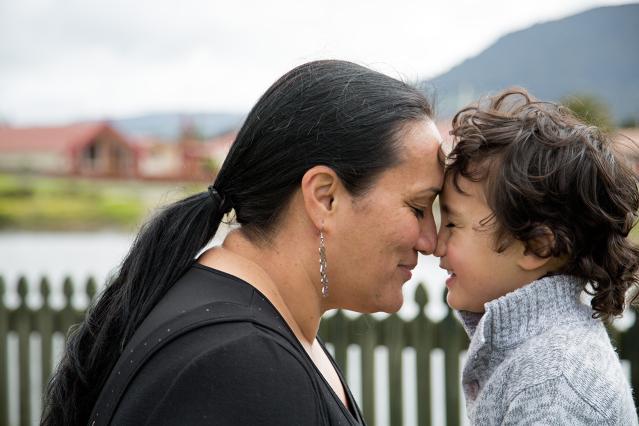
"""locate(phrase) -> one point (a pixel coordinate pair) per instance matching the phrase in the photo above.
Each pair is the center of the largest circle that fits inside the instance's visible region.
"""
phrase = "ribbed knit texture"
(537, 357)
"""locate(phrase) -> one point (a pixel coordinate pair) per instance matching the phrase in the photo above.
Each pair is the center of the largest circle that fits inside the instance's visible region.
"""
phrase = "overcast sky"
(67, 60)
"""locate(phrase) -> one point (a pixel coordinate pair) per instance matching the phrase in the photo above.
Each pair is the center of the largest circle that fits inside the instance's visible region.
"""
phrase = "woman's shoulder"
(217, 337)
(239, 371)
(204, 292)
(209, 312)
(233, 348)
(241, 337)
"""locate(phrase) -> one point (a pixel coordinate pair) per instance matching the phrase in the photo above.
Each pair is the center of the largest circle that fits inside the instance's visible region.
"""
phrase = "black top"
(247, 368)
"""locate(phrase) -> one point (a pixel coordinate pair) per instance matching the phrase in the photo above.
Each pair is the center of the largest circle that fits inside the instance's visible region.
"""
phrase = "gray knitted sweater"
(537, 357)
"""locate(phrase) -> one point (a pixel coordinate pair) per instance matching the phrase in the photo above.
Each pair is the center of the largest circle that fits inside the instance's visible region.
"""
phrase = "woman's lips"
(407, 270)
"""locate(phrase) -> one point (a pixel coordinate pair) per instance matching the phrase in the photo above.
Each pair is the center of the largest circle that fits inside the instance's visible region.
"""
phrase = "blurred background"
(109, 110)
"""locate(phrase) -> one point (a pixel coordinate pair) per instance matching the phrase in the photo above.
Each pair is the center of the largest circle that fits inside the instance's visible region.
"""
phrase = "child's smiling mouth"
(451, 277)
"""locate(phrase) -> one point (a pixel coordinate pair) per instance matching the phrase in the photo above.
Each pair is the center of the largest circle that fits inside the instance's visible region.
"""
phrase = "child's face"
(478, 274)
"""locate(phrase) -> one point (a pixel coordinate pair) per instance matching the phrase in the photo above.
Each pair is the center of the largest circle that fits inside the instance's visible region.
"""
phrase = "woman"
(335, 163)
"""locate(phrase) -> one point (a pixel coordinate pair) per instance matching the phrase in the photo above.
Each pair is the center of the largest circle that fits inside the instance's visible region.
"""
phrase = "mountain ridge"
(592, 52)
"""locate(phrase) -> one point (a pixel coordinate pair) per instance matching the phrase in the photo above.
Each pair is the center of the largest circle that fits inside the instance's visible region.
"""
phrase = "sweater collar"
(528, 311)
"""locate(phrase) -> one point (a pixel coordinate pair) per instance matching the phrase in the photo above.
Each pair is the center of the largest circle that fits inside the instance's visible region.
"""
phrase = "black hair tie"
(224, 203)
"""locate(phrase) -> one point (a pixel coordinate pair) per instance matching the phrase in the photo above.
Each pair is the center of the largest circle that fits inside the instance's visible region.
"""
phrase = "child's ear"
(538, 251)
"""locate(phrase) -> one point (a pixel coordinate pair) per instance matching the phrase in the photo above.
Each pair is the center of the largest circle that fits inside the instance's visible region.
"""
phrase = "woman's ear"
(319, 186)
(537, 252)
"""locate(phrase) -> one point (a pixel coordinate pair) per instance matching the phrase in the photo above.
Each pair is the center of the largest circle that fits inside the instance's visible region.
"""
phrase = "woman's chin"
(392, 304)
(389, 302)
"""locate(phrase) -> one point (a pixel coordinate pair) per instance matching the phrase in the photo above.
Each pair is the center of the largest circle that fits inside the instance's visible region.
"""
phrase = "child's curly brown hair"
(546, 173)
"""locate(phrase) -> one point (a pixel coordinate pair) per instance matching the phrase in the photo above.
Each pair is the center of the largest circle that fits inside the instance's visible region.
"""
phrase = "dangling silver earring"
(322, 262)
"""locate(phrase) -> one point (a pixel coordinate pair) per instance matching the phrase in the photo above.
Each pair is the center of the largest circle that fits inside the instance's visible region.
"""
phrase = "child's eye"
(450, 225)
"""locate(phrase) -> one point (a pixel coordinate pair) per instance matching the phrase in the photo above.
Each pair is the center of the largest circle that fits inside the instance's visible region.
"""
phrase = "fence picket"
(452, 339)
(23, 327)
(422, 338)
(44, 325)
(395, 343)
(628, 346)
(4, 378)
(339, 338)
(364, 333)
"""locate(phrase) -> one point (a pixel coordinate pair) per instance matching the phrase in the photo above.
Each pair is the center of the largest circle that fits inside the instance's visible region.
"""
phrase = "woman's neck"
(276, 272)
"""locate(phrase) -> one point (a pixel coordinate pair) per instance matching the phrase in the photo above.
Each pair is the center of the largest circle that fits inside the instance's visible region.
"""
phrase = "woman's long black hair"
(333, 113)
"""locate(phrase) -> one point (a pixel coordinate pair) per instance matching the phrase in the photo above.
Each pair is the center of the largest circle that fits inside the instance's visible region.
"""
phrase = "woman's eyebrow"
(432, 191)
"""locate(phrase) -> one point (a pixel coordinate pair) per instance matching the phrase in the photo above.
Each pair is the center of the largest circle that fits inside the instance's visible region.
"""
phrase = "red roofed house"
(191, 157)
(88, 149)
(202, 159)
(158, 159)
(188, 159)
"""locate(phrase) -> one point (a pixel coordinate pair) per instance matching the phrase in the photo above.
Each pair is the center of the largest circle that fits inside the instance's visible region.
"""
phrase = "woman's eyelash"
(418, 212)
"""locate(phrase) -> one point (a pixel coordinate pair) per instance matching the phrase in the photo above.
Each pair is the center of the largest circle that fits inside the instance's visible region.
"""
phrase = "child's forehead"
(470, 199)
(459, 185)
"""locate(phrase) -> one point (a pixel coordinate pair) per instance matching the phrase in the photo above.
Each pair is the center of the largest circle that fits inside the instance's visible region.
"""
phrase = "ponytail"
(163, 251)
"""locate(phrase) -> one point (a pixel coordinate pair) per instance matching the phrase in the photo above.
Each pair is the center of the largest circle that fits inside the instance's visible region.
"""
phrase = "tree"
(629, 122)
(590, 109)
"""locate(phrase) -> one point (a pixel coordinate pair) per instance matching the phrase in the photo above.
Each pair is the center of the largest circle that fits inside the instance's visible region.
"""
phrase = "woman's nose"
(428, 237)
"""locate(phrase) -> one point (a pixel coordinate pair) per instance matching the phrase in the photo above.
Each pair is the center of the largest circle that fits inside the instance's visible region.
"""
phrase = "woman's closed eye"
(419, 212)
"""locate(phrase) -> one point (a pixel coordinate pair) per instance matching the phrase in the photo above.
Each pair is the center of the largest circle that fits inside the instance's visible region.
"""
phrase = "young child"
(536, 209)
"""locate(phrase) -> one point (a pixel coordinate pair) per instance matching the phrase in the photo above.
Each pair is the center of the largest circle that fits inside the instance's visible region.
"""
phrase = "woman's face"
(378, 235)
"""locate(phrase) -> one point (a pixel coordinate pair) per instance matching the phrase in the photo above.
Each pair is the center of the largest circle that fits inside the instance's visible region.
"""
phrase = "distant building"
(158, 159)
(190, 158)
(88, 149)
(202, 158)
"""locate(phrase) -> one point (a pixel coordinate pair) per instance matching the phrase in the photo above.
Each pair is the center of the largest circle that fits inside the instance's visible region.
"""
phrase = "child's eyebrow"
(448, 209)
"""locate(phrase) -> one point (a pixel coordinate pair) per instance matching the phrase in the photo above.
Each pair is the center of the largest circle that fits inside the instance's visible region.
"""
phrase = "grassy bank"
(45, 203)
(38, 203)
